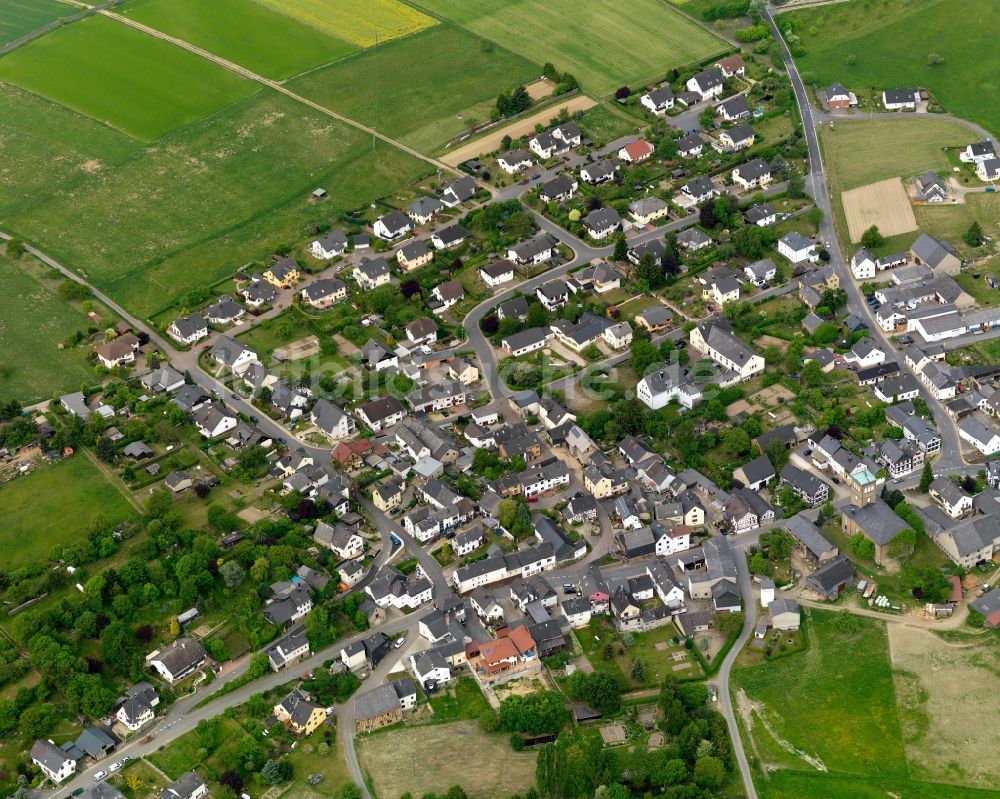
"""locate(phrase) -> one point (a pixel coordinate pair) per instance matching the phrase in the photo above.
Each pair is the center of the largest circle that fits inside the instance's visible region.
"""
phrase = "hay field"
(602, 42)
(949, 699)
(244, 32)
(362, 22)
(148, 87)
(885, 204)
(398, 761)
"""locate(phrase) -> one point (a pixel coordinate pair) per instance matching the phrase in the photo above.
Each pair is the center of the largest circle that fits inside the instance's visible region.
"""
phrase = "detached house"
(648, 209)
(372, 274)
(455, 192)
(413, 255)
(658, 101)
(699, 189)
(258, 293)
(900, 99)
(761, 215)
(797, 248)
(497, 273)
(752, 174)
(422, 210)
(636, 152)
(707, 84)
(324, 293)
(690, 146)
(342, 541)
(449, 238)
(988, 170)
(733, 109)
(599, 172)
(731, 65)
(379, 414)
(392, 225)
(188, 329)
(422, 330)
(332, 245)
(533, 251)
(282, 273)
(177, 660)
(224, 312)
(331, 420)
(515, 161)
(738, 137)
(54, 762)
(297, 713)
(602, 223)
(837, 97)
(119, 351)
(558, 189)
(213, 420)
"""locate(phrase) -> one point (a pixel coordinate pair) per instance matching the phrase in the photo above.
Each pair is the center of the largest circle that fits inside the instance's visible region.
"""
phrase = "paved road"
(951, 450)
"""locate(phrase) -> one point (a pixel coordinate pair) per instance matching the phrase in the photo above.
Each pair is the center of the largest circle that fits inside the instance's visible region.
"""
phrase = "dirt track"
(491, 141)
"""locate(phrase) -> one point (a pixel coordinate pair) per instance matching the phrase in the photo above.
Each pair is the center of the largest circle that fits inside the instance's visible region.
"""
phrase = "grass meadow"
(880, 44)
(441, 96)
(147, 89)
(247, 33)
(601, 42)
(856, 153)
(53, 506)
(398, 760)
(21, 17)
(156, 223)
(834, 702)
(363, 22)
(34, 323)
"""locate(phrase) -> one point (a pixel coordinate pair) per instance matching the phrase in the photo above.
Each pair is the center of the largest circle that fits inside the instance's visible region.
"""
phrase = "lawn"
(884, 44)
(53, 506)
(202, 203)
(424, 761)
(596, 41)
(36, 323)
(363, 22)
(306, 760)
(462, 701)
(602, 125)
(187, 752)
(834, 703)
(978, 287)
(20, 17)
(149, 88)
(816, 785)
(442, 95)
(244, 32)
(951, 221)
(860, 152)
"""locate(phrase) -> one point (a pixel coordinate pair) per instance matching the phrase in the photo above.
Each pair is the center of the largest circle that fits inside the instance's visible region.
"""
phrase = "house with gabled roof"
(733, 109)
(707, 84)
(392, 225)
(658, 101)
(283, 272)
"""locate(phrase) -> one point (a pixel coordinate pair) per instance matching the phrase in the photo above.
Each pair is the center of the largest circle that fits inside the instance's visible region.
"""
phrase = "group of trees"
(695, 761)
(513, 102)
(600, 690)
(533, 714)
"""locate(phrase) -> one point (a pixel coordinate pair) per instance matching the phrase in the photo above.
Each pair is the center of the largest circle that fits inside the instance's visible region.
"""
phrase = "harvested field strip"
(363, 22)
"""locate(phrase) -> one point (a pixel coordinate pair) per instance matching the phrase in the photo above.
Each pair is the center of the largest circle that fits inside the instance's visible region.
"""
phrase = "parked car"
(100, 775)
(399, 642)
(114, 767)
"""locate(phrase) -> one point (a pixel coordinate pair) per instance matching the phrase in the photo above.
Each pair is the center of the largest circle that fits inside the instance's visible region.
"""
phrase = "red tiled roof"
(956, 588)
(522, 639)
(638, 149)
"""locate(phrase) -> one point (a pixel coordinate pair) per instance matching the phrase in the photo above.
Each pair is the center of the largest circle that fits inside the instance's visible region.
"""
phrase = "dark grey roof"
(183, 787)
(896, 96)
(877, 521)
(835, 572)
(602, 218)
(808, 535)
(383, 699)
(758, 469)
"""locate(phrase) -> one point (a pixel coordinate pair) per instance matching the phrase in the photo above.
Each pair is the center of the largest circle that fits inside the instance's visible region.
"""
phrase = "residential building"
(283, 272)
(177, 660)
(797, 248)
(392, 225)
(298, 714)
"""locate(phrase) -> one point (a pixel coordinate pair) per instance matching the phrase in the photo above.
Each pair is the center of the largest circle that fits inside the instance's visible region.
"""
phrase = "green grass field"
(20, 17)
(53, 506)
(803, 785)
(949, 222)
(35, 323)
(147, 89)
(364, 22)
(203, 202)
(440, 97)
(601, 42)
(865, 151)
(602, 125)
(888, 42)
(244, 32)
(835, 702)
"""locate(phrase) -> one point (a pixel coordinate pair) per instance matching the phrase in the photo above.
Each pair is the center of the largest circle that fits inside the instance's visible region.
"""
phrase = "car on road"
(281, 440)
(254, 419)
(114, 767)
(100, 775)
(234, 396)
(126, 759)
(399, 642)
(569, 588)
(77, 792)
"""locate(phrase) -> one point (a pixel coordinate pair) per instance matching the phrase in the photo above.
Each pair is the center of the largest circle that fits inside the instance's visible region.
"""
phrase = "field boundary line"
(272, 84)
